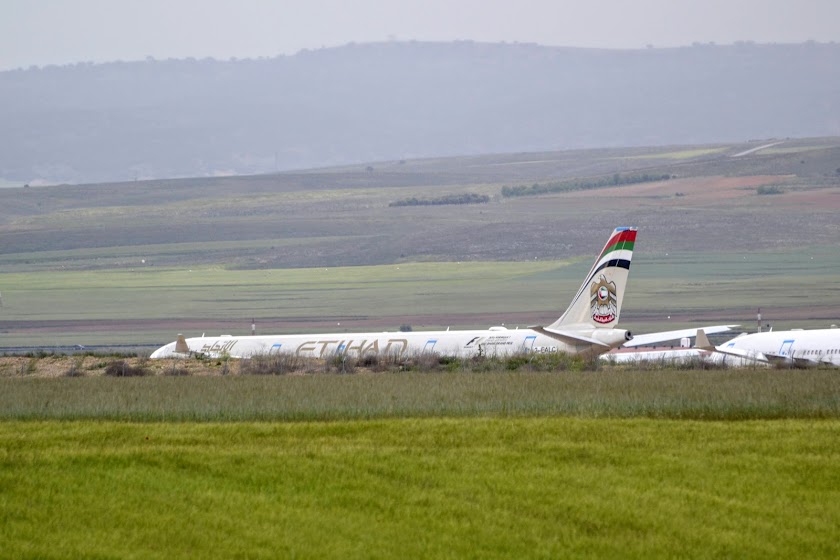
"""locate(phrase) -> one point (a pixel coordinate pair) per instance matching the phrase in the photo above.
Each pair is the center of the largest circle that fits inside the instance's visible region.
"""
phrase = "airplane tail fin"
(181, 345)
(598, 300)
(702, 341)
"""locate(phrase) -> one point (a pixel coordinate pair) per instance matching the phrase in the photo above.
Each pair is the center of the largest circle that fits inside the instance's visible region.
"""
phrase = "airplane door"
(528, 343)
(787, 348)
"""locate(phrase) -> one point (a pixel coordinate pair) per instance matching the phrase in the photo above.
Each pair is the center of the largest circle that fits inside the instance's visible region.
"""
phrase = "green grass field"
(432, 488)
(681, 154)
(454, 391)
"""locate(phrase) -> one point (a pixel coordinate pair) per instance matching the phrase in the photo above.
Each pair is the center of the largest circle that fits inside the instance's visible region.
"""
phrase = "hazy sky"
(40, 32)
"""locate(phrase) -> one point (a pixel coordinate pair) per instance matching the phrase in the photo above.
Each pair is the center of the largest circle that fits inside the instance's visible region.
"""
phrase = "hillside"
(397, 101)
(732, 228)
(346, 216)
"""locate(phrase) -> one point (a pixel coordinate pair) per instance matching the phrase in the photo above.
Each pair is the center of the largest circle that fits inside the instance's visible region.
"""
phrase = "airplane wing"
(653, 338)
(746, 354)
(798, 362)
(703, 343)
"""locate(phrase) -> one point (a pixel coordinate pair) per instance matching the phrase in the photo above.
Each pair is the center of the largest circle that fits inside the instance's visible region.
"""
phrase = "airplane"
(631, 353)
(587, 327)
(797, 348)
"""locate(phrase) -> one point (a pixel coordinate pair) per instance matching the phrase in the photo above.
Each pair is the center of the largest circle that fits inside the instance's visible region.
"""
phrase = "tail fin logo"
(604, 301)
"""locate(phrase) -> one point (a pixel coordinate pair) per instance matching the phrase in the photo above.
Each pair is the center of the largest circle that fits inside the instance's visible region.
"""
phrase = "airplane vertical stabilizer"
(597, 303)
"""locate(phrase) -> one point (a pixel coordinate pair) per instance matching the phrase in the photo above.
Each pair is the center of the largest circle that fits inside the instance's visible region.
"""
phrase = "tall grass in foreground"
(421, 488)
(715, 394)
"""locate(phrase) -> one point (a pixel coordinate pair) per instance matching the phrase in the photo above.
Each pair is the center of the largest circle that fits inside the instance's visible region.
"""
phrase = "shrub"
(769, 189)
(121, 368)
(517, 361)
(380, 362)
(177, 370)
(75, 369)
(29, 367)
(272, 364)
(344, 363)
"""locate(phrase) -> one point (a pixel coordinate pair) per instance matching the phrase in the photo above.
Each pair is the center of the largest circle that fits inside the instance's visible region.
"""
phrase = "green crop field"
(431, 488)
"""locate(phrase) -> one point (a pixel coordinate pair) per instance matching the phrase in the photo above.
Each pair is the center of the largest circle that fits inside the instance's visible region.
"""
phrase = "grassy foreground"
(431, 488)
(738, 394)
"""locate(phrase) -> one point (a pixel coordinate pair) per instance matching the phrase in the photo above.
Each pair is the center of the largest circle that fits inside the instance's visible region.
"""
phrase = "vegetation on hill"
(466, 198)
(769, 189)
(582, 184)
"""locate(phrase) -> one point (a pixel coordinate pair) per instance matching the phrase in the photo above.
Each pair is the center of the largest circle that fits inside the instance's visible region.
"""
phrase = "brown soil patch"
(95, 366)
(700, 189)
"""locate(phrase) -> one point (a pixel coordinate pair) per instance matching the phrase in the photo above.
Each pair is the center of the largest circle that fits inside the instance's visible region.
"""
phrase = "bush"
(121, 368)
(769, 189)
(75, 370)
(272, 364)
(177, 370)
(344, 363)
(29, 367)
(380, 362)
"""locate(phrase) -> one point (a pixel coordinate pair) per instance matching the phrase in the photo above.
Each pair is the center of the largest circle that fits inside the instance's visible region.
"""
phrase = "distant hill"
(399, 100)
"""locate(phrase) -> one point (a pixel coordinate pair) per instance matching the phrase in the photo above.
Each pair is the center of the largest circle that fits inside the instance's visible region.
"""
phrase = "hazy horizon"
(53, 32)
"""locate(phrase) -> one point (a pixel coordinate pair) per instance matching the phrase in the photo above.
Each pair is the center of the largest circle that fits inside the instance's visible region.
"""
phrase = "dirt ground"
(94, 366)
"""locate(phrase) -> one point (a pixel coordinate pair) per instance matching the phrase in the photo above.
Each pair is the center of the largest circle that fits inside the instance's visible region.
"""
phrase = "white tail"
(598, 300)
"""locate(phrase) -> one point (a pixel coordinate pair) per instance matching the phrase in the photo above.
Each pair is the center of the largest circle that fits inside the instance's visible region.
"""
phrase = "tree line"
(582, 184)
(466, 198)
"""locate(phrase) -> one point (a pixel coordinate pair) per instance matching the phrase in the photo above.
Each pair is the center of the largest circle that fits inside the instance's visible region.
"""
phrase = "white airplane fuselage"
(794, 347)
(496, 341)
